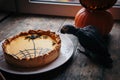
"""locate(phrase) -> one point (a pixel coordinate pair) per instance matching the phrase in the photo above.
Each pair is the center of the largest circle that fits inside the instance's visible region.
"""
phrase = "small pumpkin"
(103, 20)
(97, 4)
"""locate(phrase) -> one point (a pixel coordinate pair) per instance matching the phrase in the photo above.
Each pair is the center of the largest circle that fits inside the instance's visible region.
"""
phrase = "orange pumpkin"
(97, 4)
(103, 20)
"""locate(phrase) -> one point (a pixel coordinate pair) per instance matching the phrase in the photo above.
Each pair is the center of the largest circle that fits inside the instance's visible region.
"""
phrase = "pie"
(32, 48)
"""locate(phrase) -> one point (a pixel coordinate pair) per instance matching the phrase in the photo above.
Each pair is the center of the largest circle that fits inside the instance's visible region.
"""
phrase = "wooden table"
(78, 67)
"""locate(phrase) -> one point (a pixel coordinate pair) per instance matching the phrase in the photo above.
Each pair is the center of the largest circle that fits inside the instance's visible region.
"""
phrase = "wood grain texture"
(79, 67)
(114, 49)
(16, 24)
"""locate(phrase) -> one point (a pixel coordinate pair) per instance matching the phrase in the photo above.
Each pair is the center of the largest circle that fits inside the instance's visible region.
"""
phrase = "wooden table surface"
(78, 67)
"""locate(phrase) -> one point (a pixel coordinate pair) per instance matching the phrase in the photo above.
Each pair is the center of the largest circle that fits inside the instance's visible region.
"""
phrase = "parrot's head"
(70, 29)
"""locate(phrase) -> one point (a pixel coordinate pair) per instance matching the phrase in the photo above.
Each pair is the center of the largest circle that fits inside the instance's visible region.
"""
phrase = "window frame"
(56, 9)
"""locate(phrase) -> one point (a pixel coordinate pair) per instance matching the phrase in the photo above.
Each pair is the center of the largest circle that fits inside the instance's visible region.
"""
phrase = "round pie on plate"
(32, 48)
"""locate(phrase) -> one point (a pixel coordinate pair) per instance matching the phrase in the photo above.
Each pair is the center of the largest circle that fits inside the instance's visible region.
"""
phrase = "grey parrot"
(93, 43)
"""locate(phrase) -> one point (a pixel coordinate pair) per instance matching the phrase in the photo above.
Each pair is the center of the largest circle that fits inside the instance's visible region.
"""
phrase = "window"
(55, 1)
(57, 7)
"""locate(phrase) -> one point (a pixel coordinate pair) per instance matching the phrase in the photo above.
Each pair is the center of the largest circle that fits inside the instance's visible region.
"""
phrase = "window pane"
(56, 1)
(67, 1)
